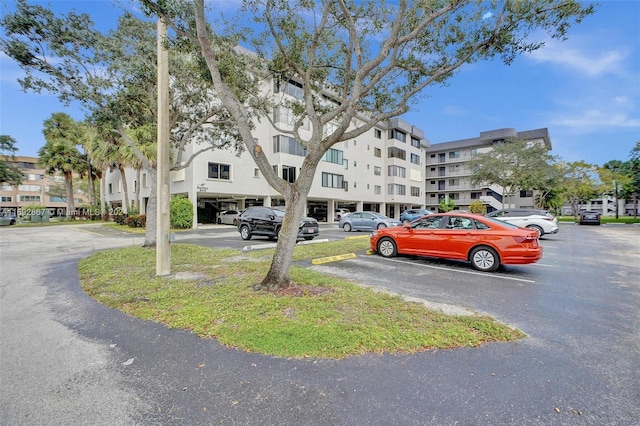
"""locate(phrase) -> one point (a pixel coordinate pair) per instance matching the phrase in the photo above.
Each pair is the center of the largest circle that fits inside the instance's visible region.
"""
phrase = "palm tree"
(145, 140)
(60, 152)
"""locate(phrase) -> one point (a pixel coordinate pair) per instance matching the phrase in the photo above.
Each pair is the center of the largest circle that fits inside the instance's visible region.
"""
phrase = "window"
(6, 187)
(330, 180)
(289, 173)
(377, 170)
(110, 188)
(32, 188)
(54, 199)
(396, 171)
(145, 181)
(377, 133)
(415, 191)
(476, 195)
(284, 115)
(289, 87)
(256, 172)
(288, 145)
(454, 154)
(441, 184)
(394, 152)
(526, 194)
(442, 171)
(454, 168)
(454, 195)
(395, 189)
(29, 198)
(219, 171)
(415, 142)
(333, 156)
(441, 158)
(377, 189)
(6, 199)
(377, 152)
(415, 159)
(398, 135)
(454, 182)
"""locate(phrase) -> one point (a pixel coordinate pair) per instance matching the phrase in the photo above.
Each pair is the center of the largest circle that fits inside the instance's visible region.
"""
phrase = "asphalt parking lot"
(65, 359)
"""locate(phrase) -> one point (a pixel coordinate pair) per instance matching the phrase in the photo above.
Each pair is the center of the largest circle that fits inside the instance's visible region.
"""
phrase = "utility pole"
(163, 248)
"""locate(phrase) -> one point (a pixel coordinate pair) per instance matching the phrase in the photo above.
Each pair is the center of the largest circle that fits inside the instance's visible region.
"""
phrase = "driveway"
(65, 359)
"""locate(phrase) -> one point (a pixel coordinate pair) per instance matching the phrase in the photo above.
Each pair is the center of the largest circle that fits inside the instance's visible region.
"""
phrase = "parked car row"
(484, 242)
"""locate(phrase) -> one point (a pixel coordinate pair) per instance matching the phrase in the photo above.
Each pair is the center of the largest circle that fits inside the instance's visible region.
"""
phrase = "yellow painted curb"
(355, 237)
(369, 252)
(328, 259)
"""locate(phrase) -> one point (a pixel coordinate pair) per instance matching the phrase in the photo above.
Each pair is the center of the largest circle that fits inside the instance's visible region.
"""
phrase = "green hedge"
(181, 213)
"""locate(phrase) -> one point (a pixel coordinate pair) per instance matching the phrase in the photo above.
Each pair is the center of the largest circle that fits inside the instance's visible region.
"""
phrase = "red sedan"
(485, 243)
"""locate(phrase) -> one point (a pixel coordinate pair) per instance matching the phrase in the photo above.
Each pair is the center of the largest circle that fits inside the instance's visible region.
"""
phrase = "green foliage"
(136, 221)
(477, 207)
(181, 213)
(514, 165)
(447, 204)
(320, 316)
(8, 173)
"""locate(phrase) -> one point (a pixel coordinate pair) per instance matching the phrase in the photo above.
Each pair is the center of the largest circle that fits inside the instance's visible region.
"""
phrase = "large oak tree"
(371, 58)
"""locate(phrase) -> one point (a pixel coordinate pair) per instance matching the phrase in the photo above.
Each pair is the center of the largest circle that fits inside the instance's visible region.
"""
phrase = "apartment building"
(448, 173)
(381, 170)
(37, 188)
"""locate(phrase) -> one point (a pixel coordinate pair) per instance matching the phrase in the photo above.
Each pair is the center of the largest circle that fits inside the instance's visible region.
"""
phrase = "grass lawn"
(210, 293)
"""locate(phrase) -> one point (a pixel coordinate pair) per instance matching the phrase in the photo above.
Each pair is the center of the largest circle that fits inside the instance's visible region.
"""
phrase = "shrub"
(478, 207)
(137, 221)
(181, 213)
(120, 219)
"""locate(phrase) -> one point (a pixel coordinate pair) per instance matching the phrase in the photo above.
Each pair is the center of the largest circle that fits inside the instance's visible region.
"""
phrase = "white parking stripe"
(484, 274)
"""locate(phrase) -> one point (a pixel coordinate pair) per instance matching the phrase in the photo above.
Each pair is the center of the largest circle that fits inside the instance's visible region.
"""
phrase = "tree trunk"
(296, 202)
(136, 200)
(152, 205)
(68, 180)
(103, 202)
(124, 189)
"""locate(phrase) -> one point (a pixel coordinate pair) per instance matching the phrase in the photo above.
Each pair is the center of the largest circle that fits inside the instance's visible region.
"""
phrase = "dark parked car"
(589, 217)
(267, 221)
(410, 215)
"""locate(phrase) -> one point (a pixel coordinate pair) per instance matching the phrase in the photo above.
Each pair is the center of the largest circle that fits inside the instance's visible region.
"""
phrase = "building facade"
(448, 174)
(381, 170)
(37, 189)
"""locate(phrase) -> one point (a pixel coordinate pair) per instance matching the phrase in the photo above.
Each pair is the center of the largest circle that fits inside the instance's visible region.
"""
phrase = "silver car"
(229, 217)
(366, 221)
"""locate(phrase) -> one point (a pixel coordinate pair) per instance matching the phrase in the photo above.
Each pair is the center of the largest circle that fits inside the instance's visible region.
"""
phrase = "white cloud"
(582, 59)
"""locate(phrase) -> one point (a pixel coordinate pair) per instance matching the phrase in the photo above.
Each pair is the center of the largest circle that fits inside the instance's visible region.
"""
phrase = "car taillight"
(527, 239)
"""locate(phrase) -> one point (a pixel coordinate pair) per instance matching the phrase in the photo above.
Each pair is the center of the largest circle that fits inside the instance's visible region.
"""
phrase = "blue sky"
(586, 90)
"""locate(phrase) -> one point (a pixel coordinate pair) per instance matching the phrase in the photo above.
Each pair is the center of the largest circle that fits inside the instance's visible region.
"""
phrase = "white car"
(229, 217)
(339, 213)
(540, 220)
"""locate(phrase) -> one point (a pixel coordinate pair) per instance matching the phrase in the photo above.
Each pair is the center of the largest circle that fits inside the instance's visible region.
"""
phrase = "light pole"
(163, 248)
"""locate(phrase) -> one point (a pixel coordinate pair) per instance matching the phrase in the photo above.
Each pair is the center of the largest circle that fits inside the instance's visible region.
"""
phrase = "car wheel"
(538, 229)
(245, 233)
(404, 222)
(387, 247)
(13, 222)
(346, 227)
(381, 225)
(235, 222)
(484, 259)
(219, 221)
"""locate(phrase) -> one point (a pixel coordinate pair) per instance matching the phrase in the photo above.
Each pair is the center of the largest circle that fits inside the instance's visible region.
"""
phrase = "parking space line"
(90, 232)
(484, 274)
